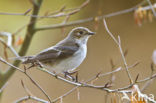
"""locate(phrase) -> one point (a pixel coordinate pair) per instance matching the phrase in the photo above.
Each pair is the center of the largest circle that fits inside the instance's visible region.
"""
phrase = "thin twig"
(104, 74)
(14, 67)
(59, 77)
(4, 86)
(26, 89)
(118, 42)
(83, 84)
(55, 26)
(24, 71)
(78, 84)
(112, 78)
(9, 42)
(124, 60)
(30, 96)
(23, 99)
(55, 15)
(152, 7)
(28, 37)
(147, 79)
(64, 95)
(73, 89)
(146, 85)
(37, 85)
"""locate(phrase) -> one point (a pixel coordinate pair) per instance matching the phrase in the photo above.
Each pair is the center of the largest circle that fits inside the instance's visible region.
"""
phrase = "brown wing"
(61, 51)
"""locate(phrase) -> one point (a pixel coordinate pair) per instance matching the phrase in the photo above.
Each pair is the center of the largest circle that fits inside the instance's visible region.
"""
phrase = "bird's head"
(80, 34)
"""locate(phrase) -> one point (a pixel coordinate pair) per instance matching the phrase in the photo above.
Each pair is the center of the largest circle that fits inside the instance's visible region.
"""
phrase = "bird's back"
(55, 53)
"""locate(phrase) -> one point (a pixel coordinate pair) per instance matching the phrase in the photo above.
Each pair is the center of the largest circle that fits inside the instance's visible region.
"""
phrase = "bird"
(66, 55)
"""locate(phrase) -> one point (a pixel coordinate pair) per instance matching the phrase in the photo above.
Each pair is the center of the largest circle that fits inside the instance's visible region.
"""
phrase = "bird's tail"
(24, 59)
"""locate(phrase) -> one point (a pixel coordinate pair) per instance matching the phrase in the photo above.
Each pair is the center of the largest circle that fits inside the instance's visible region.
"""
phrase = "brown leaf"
(135, 96)
(138, 21)
(19, 41)
(140, 13)
(150, 16)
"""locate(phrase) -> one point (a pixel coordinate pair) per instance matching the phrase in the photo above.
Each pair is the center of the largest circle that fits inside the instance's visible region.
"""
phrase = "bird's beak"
(91, 33)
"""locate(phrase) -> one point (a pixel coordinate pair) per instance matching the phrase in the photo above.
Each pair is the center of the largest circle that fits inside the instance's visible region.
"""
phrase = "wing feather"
(55, 53)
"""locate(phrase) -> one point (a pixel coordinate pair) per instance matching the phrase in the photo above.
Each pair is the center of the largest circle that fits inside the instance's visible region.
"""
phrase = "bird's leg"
(76, 77)
(66, 74)
(69, 75)
(32, 65)
(55, 74)
(39, 64)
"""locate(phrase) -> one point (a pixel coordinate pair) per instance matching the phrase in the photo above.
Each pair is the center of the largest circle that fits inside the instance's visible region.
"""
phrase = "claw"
(67, 74)
(32, 65)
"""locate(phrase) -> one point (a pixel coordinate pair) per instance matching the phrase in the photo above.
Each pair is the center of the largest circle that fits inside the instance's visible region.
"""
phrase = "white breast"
(71, 63)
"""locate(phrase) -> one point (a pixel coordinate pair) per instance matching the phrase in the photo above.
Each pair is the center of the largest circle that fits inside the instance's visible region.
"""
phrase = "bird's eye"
(81, 32)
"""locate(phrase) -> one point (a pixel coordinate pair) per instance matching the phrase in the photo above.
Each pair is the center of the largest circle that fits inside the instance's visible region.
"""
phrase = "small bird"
(66, 55)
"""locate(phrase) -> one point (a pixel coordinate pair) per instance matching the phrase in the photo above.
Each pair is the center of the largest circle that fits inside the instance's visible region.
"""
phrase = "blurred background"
(140, 41)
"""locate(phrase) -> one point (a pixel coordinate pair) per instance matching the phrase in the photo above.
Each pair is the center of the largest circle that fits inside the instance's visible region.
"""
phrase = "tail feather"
(24, 59)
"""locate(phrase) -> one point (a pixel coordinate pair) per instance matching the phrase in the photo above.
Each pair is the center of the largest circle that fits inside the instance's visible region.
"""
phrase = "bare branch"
(29, 35)
(147, 79)
(55, 26)
(55, 15)
(23, 99)
(118, 42)
(67, 13)
(24, 71)
(17, 14)
(30, 96)
(124, 60)
(146, 84)
(80, 84)
(152, 7)
(112, 36)
(9, 42)
(59, 77)
(14, 67)
(26, 89)
(4, 86)
(37, 85)
(134, 65)
(104, 74)
(64, 95)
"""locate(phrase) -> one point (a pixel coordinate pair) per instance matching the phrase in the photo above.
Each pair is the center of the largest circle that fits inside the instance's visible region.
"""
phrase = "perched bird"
(66, 55)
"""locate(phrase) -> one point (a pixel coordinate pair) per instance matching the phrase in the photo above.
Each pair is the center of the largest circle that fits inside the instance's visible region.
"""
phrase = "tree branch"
(80, 84)
(29, 34)
(118, 42)
(9, 42)
(60, 13)
(152, 7)
(24, 71)
(23, 99)
(55, 26)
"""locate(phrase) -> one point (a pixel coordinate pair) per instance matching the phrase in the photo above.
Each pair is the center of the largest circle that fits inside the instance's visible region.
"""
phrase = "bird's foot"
(32, 65)
(69, 75)
(56, 76)
(35, 64)
(38, 64)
